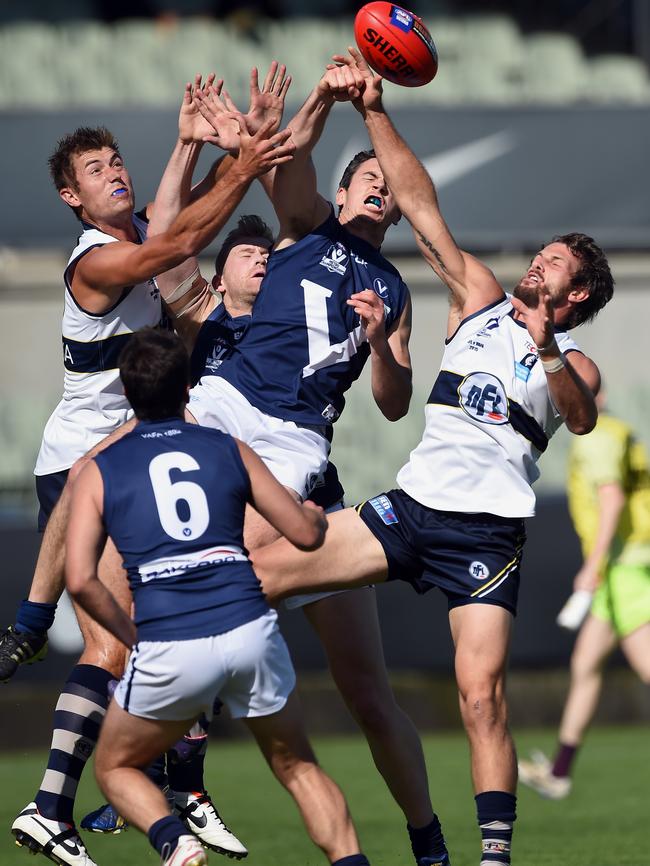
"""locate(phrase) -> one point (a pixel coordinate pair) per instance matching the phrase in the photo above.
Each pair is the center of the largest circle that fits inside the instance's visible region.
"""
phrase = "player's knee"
(483, 705)
(372, 710)
(110, 655)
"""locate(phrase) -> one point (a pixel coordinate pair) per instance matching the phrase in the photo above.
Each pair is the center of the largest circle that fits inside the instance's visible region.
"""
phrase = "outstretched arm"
(293, 193)
(472, 284)
(293, 189)
(106, 269)
(185, 292)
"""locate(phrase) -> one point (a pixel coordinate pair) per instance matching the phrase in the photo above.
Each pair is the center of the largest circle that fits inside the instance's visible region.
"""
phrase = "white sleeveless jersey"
(93, 403)
(488, 419)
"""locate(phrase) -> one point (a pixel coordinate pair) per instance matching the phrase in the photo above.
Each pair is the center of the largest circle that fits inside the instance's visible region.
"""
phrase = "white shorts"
(295, 455)
(249, 668)
(295, 601)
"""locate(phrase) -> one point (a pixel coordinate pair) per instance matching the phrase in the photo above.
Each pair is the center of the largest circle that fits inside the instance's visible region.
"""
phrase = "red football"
(396, 43)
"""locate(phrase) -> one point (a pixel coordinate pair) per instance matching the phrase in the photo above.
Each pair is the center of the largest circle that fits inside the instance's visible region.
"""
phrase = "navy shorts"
(48, 489)
(470, 557)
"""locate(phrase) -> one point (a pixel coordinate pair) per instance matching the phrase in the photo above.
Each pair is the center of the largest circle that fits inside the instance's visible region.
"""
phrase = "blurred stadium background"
(537, 123)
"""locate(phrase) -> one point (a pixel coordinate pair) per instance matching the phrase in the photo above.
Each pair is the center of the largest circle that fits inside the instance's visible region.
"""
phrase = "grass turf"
(604, 822)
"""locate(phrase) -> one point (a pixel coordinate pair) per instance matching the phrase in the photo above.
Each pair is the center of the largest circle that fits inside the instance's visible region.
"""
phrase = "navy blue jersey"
(174, 500)
(305, 346)
(216, 342)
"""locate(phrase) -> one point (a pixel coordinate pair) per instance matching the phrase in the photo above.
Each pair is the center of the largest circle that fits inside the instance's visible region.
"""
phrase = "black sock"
(166, 832)
(427, 841)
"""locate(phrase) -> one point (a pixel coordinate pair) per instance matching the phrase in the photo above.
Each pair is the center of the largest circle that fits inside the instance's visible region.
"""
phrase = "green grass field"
(603, 823)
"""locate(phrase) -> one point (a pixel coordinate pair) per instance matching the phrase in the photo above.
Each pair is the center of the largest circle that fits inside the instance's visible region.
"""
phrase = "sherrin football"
(396, 44)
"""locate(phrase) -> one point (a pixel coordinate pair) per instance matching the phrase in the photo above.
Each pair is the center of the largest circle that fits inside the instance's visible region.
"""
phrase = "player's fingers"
(230, 105)
(209, 81)
(254, 86)
(280, 137)
(342, 60)
(270, 76)
(358, 59)
(286, 84)
(187, 93)
(279, 79)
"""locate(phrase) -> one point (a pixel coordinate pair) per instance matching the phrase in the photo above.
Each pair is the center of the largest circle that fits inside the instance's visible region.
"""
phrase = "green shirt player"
(609, 500)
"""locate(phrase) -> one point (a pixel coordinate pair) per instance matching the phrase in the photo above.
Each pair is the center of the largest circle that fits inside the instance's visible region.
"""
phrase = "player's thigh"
(131, 741)
(481, 635)
(350, 556)
(281, 736)
(348, 627)
(636, 647)
(258, 532)
(596, 640)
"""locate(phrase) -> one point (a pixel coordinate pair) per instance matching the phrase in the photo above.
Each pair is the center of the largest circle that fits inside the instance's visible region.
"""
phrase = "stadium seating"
(484, 59)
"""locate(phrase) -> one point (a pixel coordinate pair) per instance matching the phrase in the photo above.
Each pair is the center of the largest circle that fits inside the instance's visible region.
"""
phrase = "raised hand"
(539, 319)
(370, 309)
(343, 82)
(220, 116)
(371, 92)
(268, 103)
(260, 152)
(192, 127)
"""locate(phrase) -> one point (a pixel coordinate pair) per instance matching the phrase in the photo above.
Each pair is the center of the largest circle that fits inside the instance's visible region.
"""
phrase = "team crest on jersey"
(483, 397)
(523, 367)
(380, 288)
(479, 570)
(384, 508)
(490, 325)
(336, 259)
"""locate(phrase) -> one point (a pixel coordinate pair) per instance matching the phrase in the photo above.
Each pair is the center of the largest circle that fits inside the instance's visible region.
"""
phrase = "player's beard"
(528, 294)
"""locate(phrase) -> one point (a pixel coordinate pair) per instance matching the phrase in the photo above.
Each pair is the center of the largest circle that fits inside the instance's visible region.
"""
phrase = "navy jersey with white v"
(216, 342)
(305, 345)
(174, 501)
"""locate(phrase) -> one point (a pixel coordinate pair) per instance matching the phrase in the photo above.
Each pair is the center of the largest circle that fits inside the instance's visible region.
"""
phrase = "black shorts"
(48, 489)
(470, 557)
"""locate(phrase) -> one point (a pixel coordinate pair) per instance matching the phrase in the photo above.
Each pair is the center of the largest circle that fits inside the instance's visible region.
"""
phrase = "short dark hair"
(155, 373)
(83, 139)
(594, 274)
(357, 160)
(248, 226)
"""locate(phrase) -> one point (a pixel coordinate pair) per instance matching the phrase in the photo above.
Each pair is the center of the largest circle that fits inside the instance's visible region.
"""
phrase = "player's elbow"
(76, 584)
(582, 425)
(396, 406)
(394, 413)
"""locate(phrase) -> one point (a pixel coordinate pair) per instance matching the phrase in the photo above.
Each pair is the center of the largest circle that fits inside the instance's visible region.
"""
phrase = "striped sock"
(496, 813)
(77, 718)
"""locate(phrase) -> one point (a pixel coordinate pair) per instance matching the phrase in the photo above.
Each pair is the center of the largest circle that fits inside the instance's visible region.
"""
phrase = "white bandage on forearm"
(183, 288)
